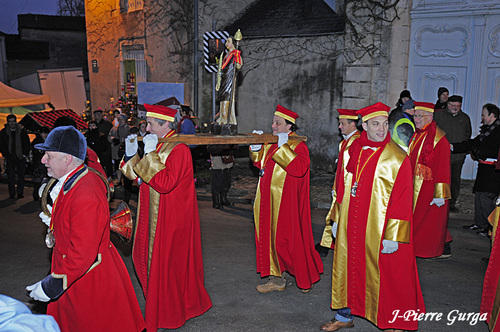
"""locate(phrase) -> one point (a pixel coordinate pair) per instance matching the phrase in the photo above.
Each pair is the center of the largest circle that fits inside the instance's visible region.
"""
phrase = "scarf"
(357, 146)
(486, 130)
(19, 149)
(427, 152)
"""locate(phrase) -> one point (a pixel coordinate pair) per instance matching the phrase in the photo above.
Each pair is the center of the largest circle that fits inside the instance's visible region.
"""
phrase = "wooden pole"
(209, 139)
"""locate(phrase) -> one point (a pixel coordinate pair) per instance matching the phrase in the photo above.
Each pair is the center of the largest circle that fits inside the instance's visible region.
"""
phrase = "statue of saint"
(226, 81)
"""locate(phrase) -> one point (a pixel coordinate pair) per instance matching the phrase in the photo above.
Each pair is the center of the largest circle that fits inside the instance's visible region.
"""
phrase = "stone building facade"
(312, 75)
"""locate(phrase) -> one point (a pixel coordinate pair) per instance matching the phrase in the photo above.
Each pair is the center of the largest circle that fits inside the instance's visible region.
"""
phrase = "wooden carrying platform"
(209, 139)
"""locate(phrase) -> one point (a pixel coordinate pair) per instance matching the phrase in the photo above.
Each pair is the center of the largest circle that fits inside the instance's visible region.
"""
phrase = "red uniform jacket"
(98, 294)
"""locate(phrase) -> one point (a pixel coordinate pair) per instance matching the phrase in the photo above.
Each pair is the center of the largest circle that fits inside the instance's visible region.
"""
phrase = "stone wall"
(312, 76)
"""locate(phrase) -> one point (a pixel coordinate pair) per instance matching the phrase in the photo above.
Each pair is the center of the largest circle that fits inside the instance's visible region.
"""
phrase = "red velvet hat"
(347, 114)
(160, 112)
(422, 106)
(372, 111)
(286, 114)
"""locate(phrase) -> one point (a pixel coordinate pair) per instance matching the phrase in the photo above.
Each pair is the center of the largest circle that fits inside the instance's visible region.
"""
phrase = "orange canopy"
(10, 97)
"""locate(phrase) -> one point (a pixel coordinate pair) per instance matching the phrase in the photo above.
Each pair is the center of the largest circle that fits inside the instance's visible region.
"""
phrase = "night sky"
(9, 9)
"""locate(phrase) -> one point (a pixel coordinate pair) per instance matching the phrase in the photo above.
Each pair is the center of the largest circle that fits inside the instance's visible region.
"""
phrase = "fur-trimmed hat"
(66, 139)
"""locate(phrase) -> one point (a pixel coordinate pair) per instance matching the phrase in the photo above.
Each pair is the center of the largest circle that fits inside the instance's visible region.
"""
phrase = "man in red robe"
(167, 246)
(374, 268)
(89, 284)
(429, 153)
(282, 210)
(348, 120)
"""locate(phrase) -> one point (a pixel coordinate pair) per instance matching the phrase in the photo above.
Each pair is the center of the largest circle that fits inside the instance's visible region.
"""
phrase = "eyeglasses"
(420, 116)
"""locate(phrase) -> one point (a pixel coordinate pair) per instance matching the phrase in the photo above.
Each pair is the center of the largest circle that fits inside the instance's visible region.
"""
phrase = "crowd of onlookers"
(105, 135)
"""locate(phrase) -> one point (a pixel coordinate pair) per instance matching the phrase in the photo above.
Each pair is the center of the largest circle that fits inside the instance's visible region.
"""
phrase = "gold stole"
(441, 190)
(335, 209)
(282, 157)
(146, 168)
(387, 169)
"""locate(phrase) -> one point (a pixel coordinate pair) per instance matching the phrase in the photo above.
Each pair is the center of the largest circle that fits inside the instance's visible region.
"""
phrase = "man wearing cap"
(348, 119)
(89, 286)
(402, 125)
(456, 124)
(484, 149)
(442, 101)
(104, 127)
(282, 210)
(167, 242)
(374, 268)
(429, 154)
(404, 96)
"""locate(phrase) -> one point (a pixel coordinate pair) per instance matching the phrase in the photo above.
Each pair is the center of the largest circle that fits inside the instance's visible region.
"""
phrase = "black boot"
(216, 202)
(223, 199)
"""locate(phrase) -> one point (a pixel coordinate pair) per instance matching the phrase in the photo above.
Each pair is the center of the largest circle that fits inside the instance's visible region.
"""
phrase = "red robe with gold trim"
(373, 285)
(167, 245)
(98, 295)
(430, 223)
(490, 300)
(338, 189)
(282, 212)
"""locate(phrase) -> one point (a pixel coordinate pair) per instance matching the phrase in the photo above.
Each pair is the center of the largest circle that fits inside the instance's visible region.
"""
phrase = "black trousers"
(16, 166)
(221, 180)
(484, 204)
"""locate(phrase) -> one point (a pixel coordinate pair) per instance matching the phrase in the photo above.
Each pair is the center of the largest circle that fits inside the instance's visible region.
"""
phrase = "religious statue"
(226, 85)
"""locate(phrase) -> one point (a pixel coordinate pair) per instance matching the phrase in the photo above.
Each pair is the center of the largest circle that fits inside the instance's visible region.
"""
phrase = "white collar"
(346, 137)
(57, 188)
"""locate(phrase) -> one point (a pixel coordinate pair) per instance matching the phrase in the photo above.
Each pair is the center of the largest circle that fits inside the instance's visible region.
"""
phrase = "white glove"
(40, 190)
(438, 201)
(282, 139)
(45, 218)
(389, 246)
(37, 293)
(150, 142)
(256, 147)
(333, 193)
(334, 229)
(131, 145)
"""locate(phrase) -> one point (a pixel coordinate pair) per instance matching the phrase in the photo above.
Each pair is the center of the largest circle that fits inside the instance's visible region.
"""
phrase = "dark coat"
(488, 178)
(5, 143)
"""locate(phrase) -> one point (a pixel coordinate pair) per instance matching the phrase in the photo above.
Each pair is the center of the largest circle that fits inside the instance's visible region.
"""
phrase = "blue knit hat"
(66, 139)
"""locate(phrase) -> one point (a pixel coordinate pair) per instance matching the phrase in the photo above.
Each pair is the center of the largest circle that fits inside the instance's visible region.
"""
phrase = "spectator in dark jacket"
(15, 147)
(457, 127)
(484, 149)
(443, 94)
